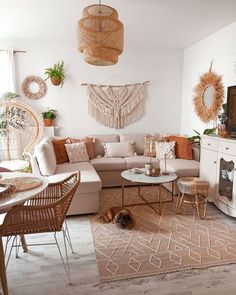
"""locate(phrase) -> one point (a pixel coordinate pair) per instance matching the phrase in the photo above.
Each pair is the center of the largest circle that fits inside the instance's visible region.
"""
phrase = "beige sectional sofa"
(105, 172)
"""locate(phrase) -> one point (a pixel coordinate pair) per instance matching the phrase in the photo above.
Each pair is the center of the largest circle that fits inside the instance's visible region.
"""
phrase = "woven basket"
(7, 190)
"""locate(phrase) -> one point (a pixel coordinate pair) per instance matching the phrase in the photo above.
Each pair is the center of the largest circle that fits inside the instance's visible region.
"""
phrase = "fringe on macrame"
(116, 106)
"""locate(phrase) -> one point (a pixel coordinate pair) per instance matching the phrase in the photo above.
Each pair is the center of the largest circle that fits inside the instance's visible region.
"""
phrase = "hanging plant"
(56, 74)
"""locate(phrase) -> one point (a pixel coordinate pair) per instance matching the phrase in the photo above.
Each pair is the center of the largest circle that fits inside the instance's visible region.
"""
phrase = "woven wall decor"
(100, 35)
(208, 112)
(42, 87)
(116, 106)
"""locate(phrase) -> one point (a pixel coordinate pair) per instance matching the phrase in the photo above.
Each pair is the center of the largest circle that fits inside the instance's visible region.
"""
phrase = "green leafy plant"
(9, 95)
(56, 72)
(50, 114)
(197, 138)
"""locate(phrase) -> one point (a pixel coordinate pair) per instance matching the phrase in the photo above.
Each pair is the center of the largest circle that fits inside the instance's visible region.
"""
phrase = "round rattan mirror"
(208, 96)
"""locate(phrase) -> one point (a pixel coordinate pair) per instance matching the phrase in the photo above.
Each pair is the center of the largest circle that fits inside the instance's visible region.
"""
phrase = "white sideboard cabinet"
(218, 166)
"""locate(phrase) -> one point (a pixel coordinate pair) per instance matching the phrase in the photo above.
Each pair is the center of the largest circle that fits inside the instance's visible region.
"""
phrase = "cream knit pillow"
(119, 149)
(77, 152)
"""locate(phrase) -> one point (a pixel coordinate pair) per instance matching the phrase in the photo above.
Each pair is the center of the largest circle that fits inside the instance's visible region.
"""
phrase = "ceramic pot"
(48, 122)
(55, 81)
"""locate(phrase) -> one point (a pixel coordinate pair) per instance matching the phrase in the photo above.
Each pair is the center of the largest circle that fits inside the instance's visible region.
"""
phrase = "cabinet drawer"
(209, 143)
(227, 147)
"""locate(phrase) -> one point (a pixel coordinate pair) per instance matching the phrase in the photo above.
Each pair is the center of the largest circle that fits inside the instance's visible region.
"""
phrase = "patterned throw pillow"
(165, 148)
(77, 152)
(150, 144)
(183, 147)
(89, 142)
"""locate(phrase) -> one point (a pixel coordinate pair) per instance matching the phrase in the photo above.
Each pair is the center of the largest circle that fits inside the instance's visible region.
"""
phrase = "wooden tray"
(22, 183)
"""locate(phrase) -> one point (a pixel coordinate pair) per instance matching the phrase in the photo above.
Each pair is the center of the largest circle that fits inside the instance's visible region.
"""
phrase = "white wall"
(219, 47)
(163, 67)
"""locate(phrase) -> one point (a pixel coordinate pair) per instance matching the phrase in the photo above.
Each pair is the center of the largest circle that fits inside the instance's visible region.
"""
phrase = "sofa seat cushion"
(181, 167)
(89, 179)
(108, 164)
(140, 161)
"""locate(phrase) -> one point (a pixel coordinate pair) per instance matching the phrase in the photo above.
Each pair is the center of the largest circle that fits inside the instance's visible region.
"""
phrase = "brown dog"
(120, 216)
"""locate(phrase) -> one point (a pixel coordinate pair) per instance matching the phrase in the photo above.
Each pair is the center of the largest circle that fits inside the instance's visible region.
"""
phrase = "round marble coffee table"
(142, 178)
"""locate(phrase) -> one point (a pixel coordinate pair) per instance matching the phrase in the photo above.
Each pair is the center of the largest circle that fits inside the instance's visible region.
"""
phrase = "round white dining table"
(8, 202)
(20, 197)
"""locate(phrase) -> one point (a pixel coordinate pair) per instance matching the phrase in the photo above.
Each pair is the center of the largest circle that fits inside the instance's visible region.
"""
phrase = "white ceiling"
(175, 23)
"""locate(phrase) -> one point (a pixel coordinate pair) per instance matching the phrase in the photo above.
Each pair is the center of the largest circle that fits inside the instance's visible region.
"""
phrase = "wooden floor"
(40, 272)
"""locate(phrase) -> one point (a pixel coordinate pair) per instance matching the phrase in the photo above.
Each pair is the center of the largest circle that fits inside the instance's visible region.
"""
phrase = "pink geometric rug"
(159, 244)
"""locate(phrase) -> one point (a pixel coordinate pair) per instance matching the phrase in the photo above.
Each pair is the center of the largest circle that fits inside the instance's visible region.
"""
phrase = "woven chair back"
(44, 213)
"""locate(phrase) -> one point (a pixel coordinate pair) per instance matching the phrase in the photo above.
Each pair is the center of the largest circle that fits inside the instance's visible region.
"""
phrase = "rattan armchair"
(44, 213)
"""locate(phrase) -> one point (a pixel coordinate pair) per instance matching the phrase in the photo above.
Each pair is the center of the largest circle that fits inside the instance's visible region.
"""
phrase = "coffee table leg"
(172, 191)
(160, 209)
(3, 270)
(122, 192)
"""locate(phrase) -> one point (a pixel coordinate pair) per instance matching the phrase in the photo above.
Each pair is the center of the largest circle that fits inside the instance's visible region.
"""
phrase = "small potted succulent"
(48, 117)
(56, 74)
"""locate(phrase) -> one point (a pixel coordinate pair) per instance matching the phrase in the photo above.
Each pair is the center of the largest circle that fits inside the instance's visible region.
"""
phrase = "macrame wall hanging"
(116, 106)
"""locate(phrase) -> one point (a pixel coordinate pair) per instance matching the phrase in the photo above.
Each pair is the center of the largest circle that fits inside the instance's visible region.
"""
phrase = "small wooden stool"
(193, 187)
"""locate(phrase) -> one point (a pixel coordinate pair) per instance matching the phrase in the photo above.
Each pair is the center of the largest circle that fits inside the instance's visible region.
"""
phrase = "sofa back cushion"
(137, 138)
(183, 147)
(46, 158)
(100, 139)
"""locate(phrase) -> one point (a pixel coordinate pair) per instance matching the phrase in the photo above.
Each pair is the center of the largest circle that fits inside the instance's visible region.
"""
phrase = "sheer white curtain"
(7, 84)
(7, 71)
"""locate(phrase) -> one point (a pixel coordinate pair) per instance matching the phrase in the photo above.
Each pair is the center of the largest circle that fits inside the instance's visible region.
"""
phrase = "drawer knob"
(214, 162)
(227, 148)
(208, 144)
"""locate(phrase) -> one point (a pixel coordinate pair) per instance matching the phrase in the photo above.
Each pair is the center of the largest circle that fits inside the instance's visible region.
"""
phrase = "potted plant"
(48, 117)
(56, 74)
(197, 138)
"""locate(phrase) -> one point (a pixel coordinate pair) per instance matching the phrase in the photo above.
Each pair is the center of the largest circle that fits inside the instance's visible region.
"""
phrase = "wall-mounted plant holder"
(56, 74)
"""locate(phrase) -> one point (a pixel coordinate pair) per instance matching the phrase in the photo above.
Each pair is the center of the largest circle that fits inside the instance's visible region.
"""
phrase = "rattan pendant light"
(100, 35)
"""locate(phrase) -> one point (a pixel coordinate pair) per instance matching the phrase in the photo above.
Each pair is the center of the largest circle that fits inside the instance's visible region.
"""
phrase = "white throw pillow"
(46, 158)
(165, 148)
(77, 152)
(119, 149)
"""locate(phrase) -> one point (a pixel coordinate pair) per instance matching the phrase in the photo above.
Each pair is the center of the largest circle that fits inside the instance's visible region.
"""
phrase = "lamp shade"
(100, 35)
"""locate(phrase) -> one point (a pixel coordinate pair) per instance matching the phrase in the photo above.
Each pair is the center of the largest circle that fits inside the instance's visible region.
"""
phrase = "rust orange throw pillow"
(183, 147)
(60, 151)
(89, 141)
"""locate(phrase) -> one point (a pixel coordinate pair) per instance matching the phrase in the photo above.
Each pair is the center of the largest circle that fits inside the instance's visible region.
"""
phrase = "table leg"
(160, 209)
(3, 270)
(172, 191)
(23, 242)
(122, 193)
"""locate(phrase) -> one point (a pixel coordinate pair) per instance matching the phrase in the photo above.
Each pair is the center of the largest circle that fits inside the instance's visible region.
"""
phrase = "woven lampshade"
(100, 35)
